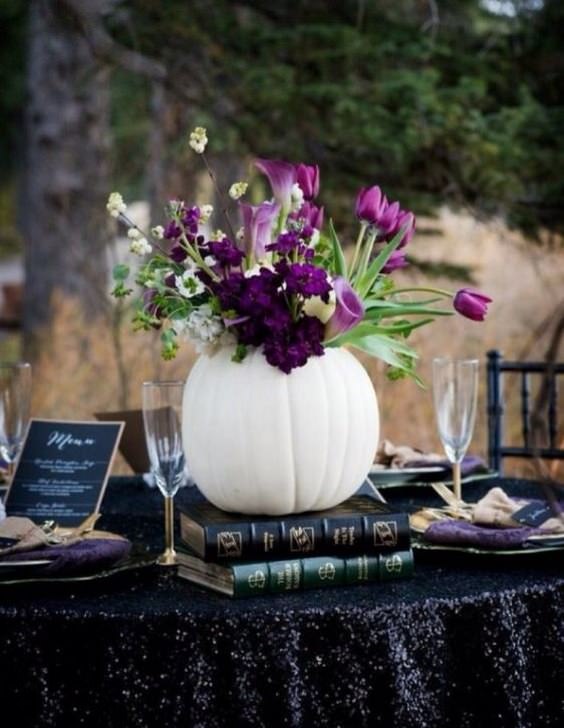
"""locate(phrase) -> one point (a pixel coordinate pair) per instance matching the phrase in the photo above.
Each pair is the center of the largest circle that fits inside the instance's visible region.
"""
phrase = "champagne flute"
(162, 418)
(455, 394)
(15, 401)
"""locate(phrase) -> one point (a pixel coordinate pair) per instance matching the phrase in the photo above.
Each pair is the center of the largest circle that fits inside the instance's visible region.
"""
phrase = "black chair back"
(531, 447)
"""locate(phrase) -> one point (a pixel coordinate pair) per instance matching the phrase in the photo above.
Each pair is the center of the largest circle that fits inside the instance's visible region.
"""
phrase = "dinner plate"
(132, 563)
(383, 477)
(418, 544)
(23, 564)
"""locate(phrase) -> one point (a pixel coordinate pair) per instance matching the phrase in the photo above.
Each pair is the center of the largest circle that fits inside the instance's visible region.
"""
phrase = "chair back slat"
(552, 410)
(525, 392)
(532, 446)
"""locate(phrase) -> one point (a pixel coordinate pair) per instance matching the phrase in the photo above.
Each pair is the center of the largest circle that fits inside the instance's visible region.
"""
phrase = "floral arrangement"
(281, 282)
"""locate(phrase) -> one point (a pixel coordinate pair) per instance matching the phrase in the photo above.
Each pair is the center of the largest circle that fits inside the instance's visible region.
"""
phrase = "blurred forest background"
(456, 108)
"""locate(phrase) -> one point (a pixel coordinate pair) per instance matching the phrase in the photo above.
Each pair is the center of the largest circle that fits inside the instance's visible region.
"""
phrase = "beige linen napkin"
(496, 509)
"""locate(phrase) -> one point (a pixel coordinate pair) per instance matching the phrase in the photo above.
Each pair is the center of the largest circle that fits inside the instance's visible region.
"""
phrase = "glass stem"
(456, 481)
(168, 557)
(11, 470)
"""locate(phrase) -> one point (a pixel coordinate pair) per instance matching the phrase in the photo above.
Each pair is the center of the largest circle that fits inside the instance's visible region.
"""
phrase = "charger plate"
(25, 574)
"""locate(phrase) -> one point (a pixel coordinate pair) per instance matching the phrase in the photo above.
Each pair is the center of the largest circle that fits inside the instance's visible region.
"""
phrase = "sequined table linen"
(466, 642)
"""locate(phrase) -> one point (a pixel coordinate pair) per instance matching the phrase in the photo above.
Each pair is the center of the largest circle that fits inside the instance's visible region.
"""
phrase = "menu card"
(63, 470)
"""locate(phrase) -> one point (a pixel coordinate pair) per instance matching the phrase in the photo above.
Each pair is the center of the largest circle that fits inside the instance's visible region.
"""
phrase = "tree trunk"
(66, 226)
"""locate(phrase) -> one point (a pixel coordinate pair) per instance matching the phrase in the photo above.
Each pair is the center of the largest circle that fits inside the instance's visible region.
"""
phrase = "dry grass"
(77, 371)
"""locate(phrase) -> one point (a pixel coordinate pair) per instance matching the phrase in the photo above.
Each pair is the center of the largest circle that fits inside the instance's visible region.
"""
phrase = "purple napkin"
(83, 557)
(462, 533)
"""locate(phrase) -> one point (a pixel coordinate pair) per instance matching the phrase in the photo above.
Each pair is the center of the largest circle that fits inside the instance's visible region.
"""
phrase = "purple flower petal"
(282, 176)
(471, 304)
(349, 309)
(257, 225)
(308, 180)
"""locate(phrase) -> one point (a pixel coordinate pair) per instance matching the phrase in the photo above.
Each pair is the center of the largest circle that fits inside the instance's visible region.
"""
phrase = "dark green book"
(360, 525)
(279, 577)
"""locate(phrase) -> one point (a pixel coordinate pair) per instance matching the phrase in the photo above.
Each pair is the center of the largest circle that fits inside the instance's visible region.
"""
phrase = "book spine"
(301, 536)
(284, 576)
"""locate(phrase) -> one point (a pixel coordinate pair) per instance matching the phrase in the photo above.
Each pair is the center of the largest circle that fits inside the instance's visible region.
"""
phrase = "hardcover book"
(359, 525)
(253, 579)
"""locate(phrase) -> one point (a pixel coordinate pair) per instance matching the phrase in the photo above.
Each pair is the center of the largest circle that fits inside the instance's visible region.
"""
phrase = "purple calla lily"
(308, 180)
(282, 177)
(471, 304)
(257, 225)
(349, 309)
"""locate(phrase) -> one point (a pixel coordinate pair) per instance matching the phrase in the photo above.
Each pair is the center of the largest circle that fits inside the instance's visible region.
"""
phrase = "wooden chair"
(550, 448)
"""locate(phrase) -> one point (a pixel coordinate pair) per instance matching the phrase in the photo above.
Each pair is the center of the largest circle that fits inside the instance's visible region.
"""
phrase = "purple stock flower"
(178, 253)
(395, 261)
(191, 219)
(308, 180)
(225, 252)
(172, 230)
(300, 341)
(282, 177)
(471, 303)
(304, 278)
(285, 243)
(257, 224)
(349, 309)
(371, 204)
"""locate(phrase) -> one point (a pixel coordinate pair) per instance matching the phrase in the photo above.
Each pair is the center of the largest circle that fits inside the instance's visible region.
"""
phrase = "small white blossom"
(314, 240)
(116, 206)
(217, 235)
(158, 232)
(210, 261)
(140, 246)
(188, 284)
(198, 139)
(297, 197)
(237, 190)
(205, 213)
(134, 233)
(203, 327)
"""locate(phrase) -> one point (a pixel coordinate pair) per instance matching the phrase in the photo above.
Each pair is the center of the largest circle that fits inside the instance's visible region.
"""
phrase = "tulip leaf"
(338, 256)
(373, 271)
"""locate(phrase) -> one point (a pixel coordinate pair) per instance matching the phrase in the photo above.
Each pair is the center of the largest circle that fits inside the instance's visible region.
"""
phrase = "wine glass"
(15, 400)
(455, 393)
(162, 419)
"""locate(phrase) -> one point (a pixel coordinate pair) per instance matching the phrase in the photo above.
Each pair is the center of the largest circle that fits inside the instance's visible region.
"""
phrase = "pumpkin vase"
(259, 441)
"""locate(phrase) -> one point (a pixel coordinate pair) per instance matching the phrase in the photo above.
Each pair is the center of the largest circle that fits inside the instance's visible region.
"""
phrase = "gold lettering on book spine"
(393, 564)
(229, 543)
(385, 533)
(257, 580)
(327, 571)
(302, 538)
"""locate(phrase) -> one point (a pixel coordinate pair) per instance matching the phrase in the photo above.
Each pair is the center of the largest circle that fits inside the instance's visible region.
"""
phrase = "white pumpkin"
(261, 441)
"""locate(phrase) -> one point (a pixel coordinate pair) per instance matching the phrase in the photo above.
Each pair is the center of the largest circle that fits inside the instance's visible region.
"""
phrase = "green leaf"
(120, 272)
(240, 353)
(369, 278)
(169, 343)
(338, 256)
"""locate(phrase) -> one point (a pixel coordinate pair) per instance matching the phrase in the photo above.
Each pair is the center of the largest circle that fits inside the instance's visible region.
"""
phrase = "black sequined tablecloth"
(469, 641)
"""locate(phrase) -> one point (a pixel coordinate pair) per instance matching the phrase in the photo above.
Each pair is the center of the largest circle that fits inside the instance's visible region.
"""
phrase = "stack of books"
(356, 542)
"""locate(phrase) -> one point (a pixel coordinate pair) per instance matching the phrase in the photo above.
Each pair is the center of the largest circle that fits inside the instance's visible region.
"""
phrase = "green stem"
(195, 255)
(440, 291)
(365, 257)
(357, 247)
(221, 196)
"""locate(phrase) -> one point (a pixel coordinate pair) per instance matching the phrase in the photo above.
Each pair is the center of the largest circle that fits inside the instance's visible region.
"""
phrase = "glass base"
(167, 558)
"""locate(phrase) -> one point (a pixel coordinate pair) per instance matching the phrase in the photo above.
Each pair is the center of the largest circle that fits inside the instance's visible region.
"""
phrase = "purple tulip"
(349, 309)
(371, 204)
(308, 180)
(312, 215)
(388, 220)
(395, 261)
(282, 177)
(405, 220)
(257, 224)
(471, 304)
